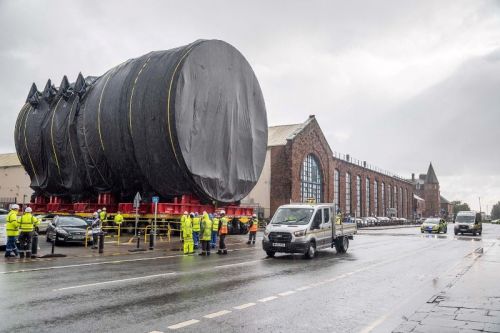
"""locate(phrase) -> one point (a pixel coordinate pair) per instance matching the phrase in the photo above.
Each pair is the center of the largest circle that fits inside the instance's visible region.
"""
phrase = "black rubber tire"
(474, 233)
(342, 244)
(446, 230)
(270, 254)
(311, 251)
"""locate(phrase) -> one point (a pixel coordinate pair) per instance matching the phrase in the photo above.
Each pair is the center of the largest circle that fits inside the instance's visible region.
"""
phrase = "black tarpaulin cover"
(182, 121)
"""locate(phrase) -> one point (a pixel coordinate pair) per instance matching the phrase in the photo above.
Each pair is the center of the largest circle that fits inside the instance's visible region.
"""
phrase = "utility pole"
(480, 205)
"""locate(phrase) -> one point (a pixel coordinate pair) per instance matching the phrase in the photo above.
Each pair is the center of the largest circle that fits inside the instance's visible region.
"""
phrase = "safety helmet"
(98, 211)
(104, 208)
(196, 214)
(96, 214)
(14, 206)
(204, 212)
(28, 210)
(185, 213)
(223, 212)
(254, 215)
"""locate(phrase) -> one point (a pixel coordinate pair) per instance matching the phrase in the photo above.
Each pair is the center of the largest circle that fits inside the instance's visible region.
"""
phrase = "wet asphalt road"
(386, 274)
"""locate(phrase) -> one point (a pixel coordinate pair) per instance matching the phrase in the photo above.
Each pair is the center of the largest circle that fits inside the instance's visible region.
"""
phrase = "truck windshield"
(465, 219)
(292, 216)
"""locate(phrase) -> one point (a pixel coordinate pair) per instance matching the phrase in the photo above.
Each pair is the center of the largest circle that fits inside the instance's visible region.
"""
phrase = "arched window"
(311, 180)
(336, 188)
(375, 196)
(348, 193)
(400, 206)
(382, 194)
(358, 196)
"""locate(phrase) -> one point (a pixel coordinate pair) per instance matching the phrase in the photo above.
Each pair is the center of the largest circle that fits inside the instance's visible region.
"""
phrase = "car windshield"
(465, 219)
(71, 222)
(432, 221)
(292, 216)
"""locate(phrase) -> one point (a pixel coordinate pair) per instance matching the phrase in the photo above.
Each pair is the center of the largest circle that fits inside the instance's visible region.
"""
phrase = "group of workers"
(205, 228)
(20, 229)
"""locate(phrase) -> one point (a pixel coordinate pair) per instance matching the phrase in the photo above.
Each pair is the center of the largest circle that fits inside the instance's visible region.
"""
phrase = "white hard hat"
(95, 214)
(98, 211)
(14, 206)
(223, 212)
(185, 213)
(104, 208)
(254, 215)
(28, 210)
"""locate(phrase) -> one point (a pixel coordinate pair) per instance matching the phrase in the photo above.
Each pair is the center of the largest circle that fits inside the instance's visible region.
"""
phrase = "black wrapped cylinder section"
(190, 120)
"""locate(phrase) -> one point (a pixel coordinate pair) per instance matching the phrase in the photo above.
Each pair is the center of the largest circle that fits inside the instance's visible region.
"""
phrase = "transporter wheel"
(311, 251)
(342, 244)
(270, 254)
(474, 233)
(445, 230)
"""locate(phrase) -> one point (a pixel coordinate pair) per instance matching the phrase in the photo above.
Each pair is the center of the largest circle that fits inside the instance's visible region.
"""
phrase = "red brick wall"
(286, 164)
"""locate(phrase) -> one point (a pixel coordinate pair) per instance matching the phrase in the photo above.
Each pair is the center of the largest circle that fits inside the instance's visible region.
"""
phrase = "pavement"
(390, 280)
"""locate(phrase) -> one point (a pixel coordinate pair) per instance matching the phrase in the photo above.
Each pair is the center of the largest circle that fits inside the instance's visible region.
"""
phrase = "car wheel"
(474, 233)
(445, 230)
(342, 244)
(270, 254)
(311, 251)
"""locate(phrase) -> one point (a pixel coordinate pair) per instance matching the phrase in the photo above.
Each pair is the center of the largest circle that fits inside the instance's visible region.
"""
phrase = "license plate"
(279, 244)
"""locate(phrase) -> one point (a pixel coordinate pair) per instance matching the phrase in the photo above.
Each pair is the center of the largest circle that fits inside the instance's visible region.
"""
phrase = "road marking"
(239, 263)
(183, 324)
(303, 288)
(115, 281)
(156, 332)
(244, 306)
(286, 293)
(267, 299)
(216, 314)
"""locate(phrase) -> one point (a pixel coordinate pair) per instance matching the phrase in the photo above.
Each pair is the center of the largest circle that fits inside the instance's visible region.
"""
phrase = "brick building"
(426, 186)
(300, 165)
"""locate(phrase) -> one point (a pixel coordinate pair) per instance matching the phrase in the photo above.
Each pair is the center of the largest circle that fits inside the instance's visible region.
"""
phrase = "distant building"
(426, 187)
(301, 166)
(418, 206)
(14, 181)
(446, 208)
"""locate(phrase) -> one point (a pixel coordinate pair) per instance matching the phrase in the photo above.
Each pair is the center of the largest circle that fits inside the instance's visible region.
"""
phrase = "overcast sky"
(396, 83)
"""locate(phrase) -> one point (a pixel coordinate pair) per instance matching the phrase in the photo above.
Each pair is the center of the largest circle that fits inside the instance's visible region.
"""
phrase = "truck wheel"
(342, 244)
(311, 251)
(270, 254)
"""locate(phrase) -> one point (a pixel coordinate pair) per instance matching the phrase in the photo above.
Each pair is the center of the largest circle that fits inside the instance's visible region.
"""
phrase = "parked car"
(382, 220)
(3, 234)
(3, 211)
(66, 229)
(434, 224)
(360, 223)
(44, 222)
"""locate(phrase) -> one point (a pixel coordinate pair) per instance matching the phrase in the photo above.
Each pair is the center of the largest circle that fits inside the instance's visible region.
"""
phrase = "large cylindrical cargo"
(190, 120)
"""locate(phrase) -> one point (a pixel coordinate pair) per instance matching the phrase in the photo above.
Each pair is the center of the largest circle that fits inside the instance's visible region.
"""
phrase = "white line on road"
(286, 293)
(244, 306)
(239, 263)
(183, 324)
(156, 332)
(267, 299)
(303, 288)
(115, 281)
(217, 314)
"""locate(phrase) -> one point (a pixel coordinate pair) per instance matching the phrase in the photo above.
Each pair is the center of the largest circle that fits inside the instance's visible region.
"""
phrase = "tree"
(495, 211)
(458, 206)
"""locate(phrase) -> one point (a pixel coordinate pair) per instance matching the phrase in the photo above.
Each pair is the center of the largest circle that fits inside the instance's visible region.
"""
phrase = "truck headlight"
(299, 233)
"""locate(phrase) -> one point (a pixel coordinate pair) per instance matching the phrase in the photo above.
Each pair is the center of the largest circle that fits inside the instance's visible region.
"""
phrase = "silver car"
(3, 234)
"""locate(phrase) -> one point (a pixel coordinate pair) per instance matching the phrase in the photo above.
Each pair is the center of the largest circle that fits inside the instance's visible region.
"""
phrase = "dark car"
(66, 229)
(3, 211)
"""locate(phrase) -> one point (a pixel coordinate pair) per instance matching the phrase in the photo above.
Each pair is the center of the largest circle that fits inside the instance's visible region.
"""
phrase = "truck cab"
(306, 228)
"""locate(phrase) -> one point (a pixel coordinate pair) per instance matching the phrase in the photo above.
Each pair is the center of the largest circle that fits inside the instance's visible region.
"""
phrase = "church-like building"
(427, 198)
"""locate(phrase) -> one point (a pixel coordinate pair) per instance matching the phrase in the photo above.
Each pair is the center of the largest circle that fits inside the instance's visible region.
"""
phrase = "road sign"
(156, 199)
(137, 200)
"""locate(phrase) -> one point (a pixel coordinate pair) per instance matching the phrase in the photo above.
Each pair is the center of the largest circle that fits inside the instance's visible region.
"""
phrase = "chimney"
(347, 158)
(412, 177)
(364, 164)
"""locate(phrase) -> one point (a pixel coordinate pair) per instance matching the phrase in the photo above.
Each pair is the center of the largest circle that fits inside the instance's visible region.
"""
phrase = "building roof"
(431, 176)
(443, 200)
(9, 160)
(418, 198)
(278, 135)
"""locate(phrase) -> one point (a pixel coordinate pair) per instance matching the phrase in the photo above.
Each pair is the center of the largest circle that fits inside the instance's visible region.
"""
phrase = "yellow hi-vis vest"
(215, 224)
(118, 218)
(103, 216)
(223, 226)
(187, 230)
(207, 229)
(11, 225)
(196, 223)
(28, 222)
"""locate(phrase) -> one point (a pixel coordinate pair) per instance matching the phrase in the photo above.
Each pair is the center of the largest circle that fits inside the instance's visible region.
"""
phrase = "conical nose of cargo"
(80, 86)
(49, 91)
(33, 95)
